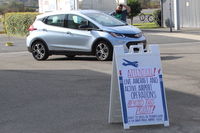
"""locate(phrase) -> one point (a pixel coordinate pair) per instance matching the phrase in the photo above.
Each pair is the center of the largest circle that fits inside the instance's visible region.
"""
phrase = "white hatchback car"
(83, 32)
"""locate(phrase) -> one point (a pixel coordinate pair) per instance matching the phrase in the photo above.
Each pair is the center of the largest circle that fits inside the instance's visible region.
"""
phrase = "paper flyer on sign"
(142, 93)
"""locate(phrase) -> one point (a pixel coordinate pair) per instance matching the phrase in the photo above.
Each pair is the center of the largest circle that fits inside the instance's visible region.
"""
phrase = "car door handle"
(44, 29)
(69, 33)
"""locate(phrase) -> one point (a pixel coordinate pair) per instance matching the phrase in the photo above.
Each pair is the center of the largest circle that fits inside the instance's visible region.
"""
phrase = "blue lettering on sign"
(130, 63)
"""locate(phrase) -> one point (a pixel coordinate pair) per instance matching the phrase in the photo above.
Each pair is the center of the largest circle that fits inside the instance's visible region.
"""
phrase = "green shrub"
(135, 8)
(16, 23)
(157, 16)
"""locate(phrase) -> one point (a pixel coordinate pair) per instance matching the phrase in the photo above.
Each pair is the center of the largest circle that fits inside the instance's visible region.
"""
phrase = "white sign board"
(137, 81)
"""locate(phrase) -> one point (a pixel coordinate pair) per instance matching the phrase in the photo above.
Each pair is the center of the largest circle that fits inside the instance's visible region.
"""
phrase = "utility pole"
(170, 14)
(162, 19)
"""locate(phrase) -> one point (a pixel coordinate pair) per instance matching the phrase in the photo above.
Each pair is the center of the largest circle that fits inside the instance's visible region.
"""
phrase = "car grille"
(132, 35)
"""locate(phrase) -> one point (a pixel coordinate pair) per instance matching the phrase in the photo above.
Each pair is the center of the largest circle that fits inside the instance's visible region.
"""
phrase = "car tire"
(40, 51)
(103, 51)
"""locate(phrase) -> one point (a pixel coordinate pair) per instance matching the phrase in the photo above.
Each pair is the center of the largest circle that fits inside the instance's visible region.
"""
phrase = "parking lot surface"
(72, 95)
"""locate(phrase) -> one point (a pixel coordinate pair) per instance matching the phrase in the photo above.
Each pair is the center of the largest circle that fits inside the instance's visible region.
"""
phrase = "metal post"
(176, 15)
(170, 12)
(56, 4)
(76, 4)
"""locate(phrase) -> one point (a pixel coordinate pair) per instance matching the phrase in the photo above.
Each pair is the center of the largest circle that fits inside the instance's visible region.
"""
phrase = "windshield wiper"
(121, 25)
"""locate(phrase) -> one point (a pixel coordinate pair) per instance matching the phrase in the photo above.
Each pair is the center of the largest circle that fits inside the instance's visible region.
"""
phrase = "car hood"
(127, 29)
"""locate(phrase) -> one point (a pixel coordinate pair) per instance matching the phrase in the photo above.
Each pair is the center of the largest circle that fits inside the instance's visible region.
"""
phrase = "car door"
(78, 39)
(55, 32)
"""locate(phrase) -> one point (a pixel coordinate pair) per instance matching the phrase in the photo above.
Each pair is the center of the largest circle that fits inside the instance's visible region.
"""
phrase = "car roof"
(67, 12)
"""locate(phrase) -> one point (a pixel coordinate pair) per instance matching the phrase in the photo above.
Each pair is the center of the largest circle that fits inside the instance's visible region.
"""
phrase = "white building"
(66, 5)
(184, 13)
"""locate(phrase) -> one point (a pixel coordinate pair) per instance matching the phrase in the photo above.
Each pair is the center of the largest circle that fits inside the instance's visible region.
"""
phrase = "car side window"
(56, 20)
(74, 21)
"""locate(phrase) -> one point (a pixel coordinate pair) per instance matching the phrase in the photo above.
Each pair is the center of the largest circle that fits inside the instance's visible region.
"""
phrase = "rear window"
(55, 20)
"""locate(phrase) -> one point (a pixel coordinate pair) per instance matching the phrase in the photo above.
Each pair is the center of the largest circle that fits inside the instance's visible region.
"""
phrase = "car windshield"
(105, 20)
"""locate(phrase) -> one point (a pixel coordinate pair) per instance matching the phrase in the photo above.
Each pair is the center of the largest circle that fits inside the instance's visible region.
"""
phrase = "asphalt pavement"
(19, 44)
(72, 95)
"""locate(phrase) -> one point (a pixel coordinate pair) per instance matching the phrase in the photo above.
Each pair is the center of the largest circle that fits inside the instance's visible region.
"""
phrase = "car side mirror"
(83, 26)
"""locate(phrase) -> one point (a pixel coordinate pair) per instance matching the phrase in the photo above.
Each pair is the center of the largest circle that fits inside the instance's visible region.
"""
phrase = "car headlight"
(138, 35)
(117, 35)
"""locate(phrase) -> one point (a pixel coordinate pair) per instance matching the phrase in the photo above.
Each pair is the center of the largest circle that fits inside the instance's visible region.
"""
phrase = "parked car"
(82, 32)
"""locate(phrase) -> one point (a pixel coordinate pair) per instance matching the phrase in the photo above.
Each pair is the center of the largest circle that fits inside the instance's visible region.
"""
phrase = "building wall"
(189, 13)
(103, 5)
(166, 12)
(65, 5)
(47, 5)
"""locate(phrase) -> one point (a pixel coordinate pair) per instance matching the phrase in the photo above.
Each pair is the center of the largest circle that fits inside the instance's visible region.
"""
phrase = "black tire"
(150, 18)
(142, 16)
(103, 51)
(40, 51)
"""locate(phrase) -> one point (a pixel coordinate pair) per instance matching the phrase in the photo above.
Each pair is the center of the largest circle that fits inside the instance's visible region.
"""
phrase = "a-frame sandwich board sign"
(137, 95)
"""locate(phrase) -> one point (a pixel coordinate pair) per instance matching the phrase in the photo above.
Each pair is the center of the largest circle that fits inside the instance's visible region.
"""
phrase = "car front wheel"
(40, 51)
(103, 51)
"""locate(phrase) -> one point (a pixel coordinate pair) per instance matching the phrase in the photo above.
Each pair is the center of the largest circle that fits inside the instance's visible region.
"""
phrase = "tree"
(11, 6)
(135, 8)
(145, 3)
(18, 6)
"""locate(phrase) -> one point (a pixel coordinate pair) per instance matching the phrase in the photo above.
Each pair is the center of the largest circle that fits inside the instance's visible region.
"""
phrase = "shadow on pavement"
(181, 53)
(77, 58)
(95, 59)
(170, 57)
(88, 58)
(77, 101)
